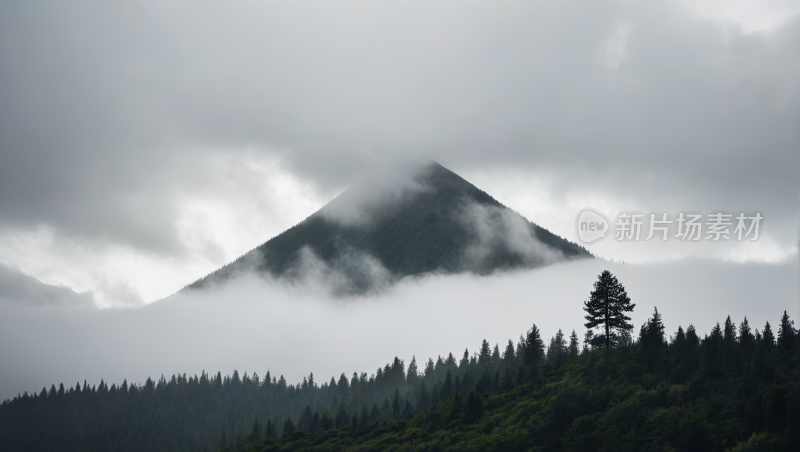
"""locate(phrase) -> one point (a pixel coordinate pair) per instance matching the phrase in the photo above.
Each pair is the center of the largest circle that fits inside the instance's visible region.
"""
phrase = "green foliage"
(725, 392)
(763, 442)
(609, 400)
(534, 347)
(606, 308)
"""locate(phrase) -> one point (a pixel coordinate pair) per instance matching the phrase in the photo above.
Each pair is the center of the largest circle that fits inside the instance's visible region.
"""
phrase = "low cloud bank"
(18, 288)
(257, 325)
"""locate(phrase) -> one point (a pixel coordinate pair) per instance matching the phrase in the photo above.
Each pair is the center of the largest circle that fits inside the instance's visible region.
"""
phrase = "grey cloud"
(105, 104)
(17, 288)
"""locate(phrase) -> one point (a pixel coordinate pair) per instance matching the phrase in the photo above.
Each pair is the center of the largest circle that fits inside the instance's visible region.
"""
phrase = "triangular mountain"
(429, 220)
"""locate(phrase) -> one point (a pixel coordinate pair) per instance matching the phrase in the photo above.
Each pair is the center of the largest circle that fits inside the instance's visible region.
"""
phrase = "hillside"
(731, 389)
(726, 392)
(431, 220)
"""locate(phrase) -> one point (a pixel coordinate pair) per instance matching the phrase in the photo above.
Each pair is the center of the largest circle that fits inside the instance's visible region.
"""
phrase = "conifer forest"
(734, 388)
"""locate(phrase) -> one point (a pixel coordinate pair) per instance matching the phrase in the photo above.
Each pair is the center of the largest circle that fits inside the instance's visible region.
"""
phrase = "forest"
(734, 388)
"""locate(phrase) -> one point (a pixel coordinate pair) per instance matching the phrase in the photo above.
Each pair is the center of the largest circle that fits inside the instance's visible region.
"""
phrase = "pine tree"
(474, 408)
(386, 409)
(485, 354)
(588, 341)
(557, 348)
(413, 376)
(746, 339)
(729, 332)
(508, 355)
(269, 430)
(520, 354)
(652, 332)
(447, 387)
(767, 338)
(692, 340)
(573, 346)
(325, 423)
(606, 307)
(375, 414)
(680, 340)
(508, 383)
(396, 403)
(520, 375)
(458, 406)
(255, 433)
(496, 356)
(484, 383)
(534, 347)
(786, 333)
(341, 417)
(288, 426)
(343, 387)
(304, 422)
(712, 347)
(423, 400)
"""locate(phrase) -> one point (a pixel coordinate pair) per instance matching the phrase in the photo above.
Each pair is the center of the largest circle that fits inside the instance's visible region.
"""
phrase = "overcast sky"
(145, 143)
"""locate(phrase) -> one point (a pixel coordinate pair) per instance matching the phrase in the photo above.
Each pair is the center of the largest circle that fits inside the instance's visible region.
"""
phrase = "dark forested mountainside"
(428, 229)
(735, 388)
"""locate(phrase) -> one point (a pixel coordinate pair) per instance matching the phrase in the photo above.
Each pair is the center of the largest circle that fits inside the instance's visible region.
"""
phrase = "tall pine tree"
(534, 347)
(606, 307)
(786, 333)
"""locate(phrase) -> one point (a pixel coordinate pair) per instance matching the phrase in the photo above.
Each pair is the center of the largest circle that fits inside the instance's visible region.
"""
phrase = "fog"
(19, 288)
(352, 272)
(255, 325)
(145, 143)
(497, 228)
(383, 189)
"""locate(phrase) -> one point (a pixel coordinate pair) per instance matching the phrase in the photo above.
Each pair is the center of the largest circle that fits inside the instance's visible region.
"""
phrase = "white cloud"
(193, 131)
(246, 199)
(751, 16)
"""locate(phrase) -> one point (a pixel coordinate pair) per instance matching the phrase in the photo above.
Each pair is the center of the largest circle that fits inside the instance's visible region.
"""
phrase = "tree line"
(209, 412)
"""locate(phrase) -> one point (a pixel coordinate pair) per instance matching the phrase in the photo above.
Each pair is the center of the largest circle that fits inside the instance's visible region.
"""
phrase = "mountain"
(18, 288)
(409, 221)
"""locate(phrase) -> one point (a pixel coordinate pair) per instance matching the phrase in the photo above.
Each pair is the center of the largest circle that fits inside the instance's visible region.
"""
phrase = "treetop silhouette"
(606, 307)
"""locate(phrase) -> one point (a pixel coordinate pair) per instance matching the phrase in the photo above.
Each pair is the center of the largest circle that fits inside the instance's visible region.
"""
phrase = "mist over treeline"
(247, 324)
(755, 365)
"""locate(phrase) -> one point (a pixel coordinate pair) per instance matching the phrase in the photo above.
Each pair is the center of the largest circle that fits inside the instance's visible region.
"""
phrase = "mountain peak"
(402, 221)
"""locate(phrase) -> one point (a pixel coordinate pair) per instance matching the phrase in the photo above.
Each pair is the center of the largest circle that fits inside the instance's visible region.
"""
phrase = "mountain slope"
(429, 220)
